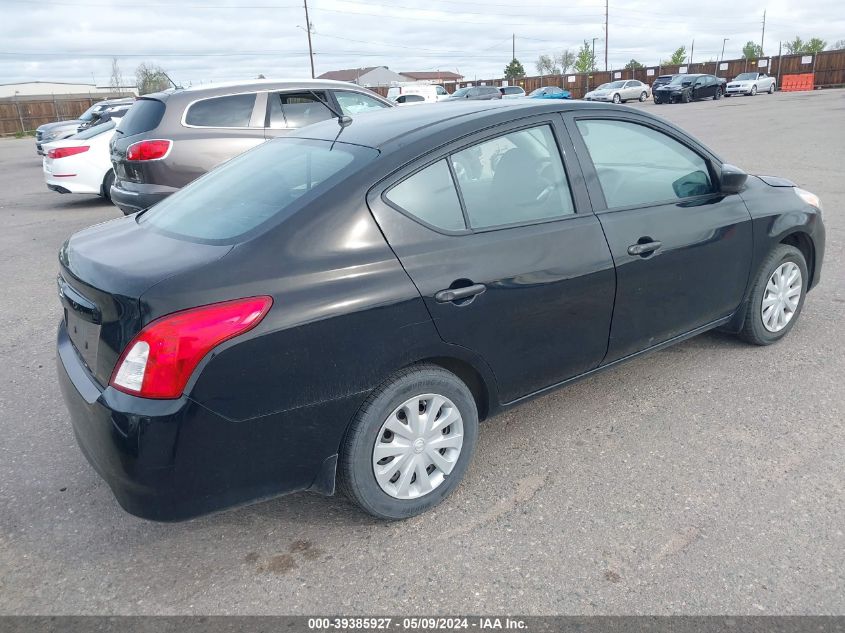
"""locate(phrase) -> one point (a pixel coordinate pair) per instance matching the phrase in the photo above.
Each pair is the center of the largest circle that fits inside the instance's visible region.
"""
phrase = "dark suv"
(478, 93)
(170, 138)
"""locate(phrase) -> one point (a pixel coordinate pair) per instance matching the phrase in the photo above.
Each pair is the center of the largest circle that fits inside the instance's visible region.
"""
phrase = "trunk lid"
(104, 270)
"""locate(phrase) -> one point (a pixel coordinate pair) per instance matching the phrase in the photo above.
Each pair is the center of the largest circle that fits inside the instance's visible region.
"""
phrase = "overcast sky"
(215, 40)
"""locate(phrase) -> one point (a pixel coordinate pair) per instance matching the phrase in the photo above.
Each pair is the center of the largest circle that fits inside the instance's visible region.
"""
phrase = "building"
(370, 77)
(377, 76)
(27, 90)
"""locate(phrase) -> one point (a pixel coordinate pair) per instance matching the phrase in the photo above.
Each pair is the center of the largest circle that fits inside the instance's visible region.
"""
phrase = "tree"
(565, 60)
(752, 50)
(678, 57)
(151, 78)
(796, 46)
(585, 61)
(514, 70)
(116, 80)
(815, 45)
(633, 65)
(547, 66)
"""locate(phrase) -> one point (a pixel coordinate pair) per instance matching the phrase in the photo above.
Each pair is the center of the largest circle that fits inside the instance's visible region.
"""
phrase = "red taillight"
(160, 360)
(148, 150)
(62, 152)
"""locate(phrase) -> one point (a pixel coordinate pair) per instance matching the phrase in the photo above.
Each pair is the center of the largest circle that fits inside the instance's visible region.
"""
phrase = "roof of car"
(257, 85)
(380, 128)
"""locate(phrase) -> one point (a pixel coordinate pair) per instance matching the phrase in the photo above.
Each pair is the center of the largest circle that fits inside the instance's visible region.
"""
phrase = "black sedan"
(686, 88)
(342, 306)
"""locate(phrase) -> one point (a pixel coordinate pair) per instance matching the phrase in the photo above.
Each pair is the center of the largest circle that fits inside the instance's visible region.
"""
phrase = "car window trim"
(596, 193)
(188, 107)
(444, 152)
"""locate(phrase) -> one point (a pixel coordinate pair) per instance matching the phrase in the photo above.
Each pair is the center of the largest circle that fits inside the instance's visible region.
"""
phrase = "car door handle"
(456, 294)
(644, 249)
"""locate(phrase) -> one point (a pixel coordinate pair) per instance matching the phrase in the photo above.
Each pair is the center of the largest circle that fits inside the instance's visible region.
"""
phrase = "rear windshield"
(264, 185)
(143, 116)
(93, 131)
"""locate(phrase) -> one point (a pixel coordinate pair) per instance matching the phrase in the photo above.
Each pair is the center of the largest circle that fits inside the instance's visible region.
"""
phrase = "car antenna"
(175, 87)
(343, 120)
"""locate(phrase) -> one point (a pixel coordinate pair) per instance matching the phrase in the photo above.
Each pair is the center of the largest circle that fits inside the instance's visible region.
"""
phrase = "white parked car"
(430, 92)
(81, 163)
(620, 91)
(511, 92)
(751, 84)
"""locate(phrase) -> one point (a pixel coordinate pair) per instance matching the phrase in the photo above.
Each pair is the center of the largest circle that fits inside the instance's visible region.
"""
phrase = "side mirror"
(731, 179)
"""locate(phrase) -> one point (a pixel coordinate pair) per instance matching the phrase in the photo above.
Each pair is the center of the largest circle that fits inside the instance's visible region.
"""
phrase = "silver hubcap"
(780, 300)
(418, 446)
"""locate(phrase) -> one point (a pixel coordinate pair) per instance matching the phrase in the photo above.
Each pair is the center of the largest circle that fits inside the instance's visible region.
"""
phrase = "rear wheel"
(718, 94)
(772, 89)
(643, 96)
(410, 444)
(617, 98)
(777, 296)
(108, 181)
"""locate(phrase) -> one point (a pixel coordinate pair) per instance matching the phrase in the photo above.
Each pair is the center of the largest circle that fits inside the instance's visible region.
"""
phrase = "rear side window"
(354, 102)
(516, 178)
(231, 111)
(256, 189)
(638, 165)
(296, 110)
(143, 116)
(430, 195)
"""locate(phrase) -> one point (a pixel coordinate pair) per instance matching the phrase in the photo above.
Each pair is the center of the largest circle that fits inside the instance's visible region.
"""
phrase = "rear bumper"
(132, 197)
(170, 460)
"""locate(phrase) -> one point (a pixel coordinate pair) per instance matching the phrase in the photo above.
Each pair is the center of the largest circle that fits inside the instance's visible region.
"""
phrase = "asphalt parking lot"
(703, 479)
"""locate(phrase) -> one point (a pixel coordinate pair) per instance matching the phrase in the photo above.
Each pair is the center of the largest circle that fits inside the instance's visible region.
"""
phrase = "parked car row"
(98, 113)
(683, 88)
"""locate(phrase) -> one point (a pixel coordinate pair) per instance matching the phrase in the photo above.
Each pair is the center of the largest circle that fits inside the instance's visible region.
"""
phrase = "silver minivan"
(167, 139)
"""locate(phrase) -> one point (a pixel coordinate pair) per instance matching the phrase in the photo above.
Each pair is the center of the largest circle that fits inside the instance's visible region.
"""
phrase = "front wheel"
(685, 97)
(643, 96)
(777, 296)
(410, 444)
(753, 90)
(617, 99)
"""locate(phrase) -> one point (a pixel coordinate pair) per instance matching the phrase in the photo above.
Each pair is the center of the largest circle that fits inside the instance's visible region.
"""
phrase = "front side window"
(296, 109)
(231, 111)
(512, 179)
(430, 195)
(354, 102)
(638, 165)
(440, 90)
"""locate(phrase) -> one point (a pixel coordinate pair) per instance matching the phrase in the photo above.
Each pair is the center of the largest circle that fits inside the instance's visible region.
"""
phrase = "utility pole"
(722, 56)
(691, 51)
(513, 46)
(763, 36)
(594, 54)
(606, 38)
(308, 31)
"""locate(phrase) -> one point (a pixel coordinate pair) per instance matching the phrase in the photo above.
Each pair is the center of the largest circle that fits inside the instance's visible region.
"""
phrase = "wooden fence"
(828, 66)
(25, 115)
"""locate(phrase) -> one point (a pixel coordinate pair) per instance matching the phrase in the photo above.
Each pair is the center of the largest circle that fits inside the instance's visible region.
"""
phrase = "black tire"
(617, 99)
(355, 475)
(772, 88)
(718, 94)
(685, 97)
(753, 90)
(657, 101)
(643, 96)
(108, 181)
(753, 331)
